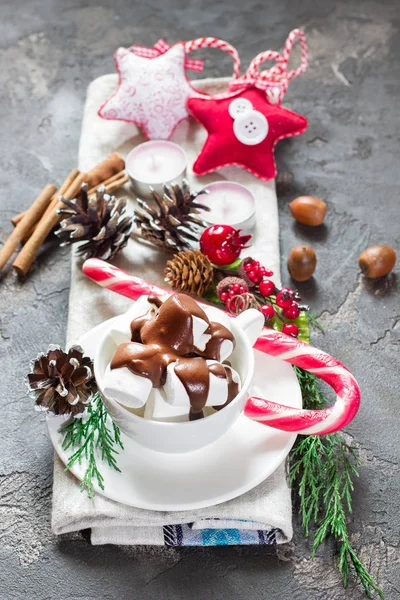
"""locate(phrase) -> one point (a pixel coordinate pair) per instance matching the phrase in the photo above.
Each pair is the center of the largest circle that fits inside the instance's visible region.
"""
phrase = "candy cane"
(284, 347)
(330, 370)
(119, 281)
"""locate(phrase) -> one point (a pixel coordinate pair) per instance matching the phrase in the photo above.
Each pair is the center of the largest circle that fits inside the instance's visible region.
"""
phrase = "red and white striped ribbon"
(161, 47)
(274, 81)
(284, 347)
(211, 42)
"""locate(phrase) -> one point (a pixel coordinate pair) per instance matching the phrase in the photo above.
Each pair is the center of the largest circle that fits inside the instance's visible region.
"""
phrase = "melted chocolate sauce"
(165, 335)
(233, 386)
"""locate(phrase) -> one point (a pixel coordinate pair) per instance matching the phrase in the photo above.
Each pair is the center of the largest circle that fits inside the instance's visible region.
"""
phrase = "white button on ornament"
(251, 128)
(239, 106)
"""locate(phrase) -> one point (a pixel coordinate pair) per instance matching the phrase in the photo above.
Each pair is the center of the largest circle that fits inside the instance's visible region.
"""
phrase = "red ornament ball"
(290, 329)
(222, 244)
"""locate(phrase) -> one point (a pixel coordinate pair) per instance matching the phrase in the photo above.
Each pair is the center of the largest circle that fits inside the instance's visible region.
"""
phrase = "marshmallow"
(200, 339)
(126, 388)
(121, 329)
(225, 350)
(157, 409)
(176, 394)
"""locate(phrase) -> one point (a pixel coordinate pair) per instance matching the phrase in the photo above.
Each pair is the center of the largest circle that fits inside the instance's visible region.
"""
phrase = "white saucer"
(246, 455)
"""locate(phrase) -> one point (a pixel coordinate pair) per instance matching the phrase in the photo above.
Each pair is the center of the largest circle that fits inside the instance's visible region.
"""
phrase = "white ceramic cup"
(179, 437)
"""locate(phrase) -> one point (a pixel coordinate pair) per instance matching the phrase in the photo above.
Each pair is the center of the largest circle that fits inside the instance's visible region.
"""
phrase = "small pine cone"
(173, 221)
(189, 272)
(99, 221)
(62, 383)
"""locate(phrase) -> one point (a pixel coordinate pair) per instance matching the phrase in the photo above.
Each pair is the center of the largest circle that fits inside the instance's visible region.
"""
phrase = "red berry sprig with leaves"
(247, 284)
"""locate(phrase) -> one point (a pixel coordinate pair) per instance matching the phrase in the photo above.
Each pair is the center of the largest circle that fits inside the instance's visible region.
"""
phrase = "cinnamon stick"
(17, 218)
(25, 258)
(73, 174)
(110, 166)
(31, 216)
(120, 175)
(107, 182)
(115, 185)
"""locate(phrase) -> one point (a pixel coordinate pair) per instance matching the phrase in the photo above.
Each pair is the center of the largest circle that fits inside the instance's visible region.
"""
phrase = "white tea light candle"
(154, 164)
(230, 204)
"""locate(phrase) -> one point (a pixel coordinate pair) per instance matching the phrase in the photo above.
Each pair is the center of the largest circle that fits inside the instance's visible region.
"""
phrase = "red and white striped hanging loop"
(275, 81)
(211, 42)
(161, 47)
(194, 64)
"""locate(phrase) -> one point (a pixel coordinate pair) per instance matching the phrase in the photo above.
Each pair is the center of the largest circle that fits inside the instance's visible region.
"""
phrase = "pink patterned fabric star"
(152, 92)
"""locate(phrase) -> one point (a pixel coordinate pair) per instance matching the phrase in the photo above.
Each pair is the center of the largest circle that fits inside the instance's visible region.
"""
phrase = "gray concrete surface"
(49, 52)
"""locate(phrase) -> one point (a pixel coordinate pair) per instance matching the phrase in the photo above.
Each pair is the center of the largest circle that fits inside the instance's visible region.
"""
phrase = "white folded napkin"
(261, 516)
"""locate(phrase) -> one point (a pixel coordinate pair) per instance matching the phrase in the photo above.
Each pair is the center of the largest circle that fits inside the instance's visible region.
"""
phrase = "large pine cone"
(189, 272)
(62, 383)
(99, 221)
(173, 223)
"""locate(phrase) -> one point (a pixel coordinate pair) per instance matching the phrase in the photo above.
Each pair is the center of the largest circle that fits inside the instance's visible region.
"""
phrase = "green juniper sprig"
(322, 469)
(91, 435)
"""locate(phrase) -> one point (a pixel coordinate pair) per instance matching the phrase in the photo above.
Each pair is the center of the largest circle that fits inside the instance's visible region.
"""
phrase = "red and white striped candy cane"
(211, 42)
(284, 347)
(330, 370)
(117, 280)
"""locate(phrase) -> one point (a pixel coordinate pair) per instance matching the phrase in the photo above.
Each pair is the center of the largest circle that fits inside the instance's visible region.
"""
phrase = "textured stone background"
(49, 52)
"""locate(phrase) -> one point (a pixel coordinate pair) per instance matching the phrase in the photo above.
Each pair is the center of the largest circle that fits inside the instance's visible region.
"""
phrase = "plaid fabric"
(185, 535)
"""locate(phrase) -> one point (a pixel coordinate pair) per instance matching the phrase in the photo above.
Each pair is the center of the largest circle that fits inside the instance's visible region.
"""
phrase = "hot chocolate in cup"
(179, 437)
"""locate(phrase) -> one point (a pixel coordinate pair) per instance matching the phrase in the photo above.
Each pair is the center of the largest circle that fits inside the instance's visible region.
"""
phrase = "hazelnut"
(301, 263)
(308, 210)
(377, 261)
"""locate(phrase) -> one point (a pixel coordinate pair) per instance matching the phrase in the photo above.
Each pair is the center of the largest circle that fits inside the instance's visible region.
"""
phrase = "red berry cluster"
(285, 299)
(234, 290)
(255, 272)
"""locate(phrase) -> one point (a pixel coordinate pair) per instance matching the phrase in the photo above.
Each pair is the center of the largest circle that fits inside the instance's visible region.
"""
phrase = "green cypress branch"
(91, 435)
(322, 468)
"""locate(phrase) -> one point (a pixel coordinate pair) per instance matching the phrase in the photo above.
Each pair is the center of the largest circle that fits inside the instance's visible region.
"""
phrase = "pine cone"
(173, 223)
(62, 383)
(98, 221)
(189, 272)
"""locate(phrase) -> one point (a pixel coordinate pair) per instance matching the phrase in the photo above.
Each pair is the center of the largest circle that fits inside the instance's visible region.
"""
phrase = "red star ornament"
(243, 129)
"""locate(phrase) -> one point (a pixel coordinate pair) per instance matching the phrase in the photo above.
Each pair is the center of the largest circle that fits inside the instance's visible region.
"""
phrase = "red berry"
(248, 267)
(224, 296)
(232, 293)
(288, 293)
(267, 287)
(292, 312)
(256, 263)
(222, 243)
(236, 287)
(268, 311)
(290, 329)
(242, 289)
(283, 300)
(268, 273)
